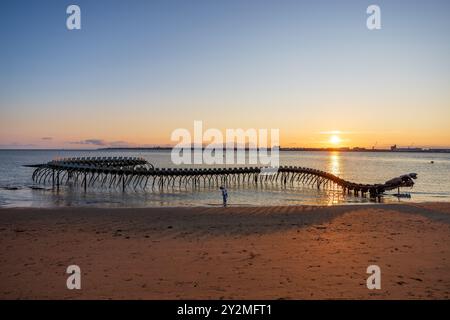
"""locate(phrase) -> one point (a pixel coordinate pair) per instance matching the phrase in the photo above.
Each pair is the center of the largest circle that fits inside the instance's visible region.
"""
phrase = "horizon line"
(341, 149)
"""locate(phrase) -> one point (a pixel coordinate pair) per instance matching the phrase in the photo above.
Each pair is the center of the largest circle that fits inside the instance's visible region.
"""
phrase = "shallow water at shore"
(433, 183)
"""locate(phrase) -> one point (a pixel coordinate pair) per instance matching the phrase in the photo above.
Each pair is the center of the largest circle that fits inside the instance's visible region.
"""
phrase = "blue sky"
(139, 69)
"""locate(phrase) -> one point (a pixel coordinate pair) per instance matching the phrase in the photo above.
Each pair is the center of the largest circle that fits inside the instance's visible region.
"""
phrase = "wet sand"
(300, 252)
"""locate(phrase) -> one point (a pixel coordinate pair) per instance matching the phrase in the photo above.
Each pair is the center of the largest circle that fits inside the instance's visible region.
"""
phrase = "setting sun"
(335, 139)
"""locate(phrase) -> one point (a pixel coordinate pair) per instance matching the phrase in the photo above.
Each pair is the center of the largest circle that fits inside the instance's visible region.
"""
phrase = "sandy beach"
(297, 252)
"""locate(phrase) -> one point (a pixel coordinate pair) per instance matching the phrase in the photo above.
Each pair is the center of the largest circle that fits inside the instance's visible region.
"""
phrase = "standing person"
(224, 195)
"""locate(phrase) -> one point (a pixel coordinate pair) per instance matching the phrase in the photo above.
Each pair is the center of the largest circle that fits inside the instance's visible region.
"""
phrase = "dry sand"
(299, 252)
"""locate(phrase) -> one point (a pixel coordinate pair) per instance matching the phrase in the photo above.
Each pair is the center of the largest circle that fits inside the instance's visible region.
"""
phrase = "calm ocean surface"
(433, 183)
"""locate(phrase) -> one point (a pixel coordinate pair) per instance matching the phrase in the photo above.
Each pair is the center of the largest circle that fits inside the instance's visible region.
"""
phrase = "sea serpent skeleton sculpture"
(136, 173)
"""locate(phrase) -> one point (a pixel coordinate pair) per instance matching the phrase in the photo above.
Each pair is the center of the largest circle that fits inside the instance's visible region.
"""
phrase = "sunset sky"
(137, 70)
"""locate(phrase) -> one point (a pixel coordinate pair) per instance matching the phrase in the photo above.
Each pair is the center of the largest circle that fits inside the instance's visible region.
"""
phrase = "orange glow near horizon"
(160, 136)
(38, 132)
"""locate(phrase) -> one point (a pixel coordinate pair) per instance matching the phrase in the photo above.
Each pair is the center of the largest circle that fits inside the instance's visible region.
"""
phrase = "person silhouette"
(224, 195)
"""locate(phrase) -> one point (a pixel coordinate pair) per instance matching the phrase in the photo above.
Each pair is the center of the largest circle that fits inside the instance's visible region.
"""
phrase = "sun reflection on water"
(334, 195)
(334, 163)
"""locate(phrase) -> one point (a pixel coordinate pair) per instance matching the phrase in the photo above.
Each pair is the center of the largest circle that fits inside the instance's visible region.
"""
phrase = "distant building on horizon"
(395, 148)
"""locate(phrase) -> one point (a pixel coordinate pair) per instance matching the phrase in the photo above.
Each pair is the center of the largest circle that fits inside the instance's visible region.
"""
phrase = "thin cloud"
(103, 143)
(94, 142)
(336, 132)
(352, 132)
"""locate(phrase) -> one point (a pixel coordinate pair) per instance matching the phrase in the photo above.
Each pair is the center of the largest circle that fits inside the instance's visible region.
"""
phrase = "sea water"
(433, 183)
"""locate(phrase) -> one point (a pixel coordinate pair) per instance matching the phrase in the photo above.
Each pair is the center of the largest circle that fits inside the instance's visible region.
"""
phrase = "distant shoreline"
(431, 150)
(400, 150)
